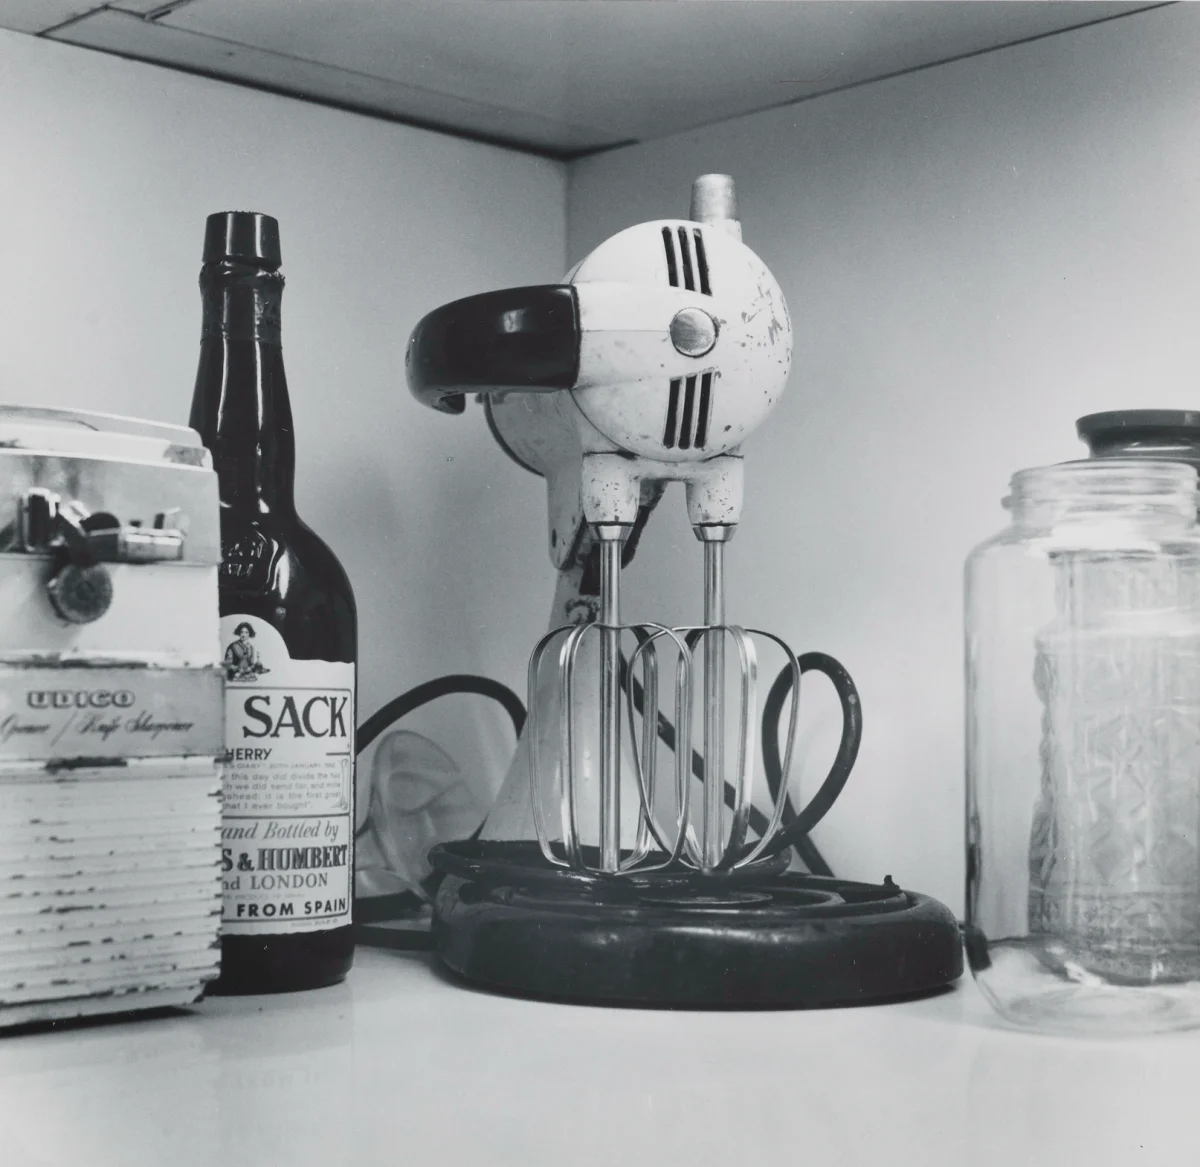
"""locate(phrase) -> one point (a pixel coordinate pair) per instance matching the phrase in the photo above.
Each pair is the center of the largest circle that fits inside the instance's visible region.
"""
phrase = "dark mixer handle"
(821, 802)
(518, 339)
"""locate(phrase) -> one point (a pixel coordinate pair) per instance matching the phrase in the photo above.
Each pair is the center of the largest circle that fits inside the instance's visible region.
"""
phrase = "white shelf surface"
(400, 1066)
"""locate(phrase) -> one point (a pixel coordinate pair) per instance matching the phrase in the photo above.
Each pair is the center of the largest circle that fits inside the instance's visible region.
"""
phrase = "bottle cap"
(242, 235)
(1162, 434)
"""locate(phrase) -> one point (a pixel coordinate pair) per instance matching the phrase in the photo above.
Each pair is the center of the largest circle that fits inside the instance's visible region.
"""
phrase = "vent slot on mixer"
(694, 270)
(672, 265)
(703, 412)
(672, 407)
(680, 430)
(702, 263)
(689, 402)
(689, 280)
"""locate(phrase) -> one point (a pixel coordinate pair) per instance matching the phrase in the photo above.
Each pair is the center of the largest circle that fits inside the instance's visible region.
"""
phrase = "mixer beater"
(711, 849)
(667, 346)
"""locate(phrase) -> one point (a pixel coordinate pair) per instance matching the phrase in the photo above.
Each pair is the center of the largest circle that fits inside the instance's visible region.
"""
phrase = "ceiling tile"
(39, 15)
(120, 32)
(147, 7)
(567, 76)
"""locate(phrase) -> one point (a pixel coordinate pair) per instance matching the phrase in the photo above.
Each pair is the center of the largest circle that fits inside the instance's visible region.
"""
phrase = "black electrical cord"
(406, 703)
(796, 826)
(377, 909)
(468, 683)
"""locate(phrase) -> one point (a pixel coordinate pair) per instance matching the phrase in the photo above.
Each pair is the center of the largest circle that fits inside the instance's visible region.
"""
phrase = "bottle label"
(287, 851)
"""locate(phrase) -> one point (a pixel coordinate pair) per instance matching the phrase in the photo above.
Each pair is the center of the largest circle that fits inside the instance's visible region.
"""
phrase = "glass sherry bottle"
(289, 629)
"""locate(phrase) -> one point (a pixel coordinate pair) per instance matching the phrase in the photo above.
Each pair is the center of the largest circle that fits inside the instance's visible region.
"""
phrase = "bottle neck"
(1111, 490)
(240, 407)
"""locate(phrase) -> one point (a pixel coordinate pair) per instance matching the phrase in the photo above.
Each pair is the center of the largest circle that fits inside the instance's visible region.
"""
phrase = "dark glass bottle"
(288, 626)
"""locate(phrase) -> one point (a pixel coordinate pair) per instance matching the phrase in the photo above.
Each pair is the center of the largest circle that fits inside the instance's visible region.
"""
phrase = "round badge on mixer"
(81, 594)
(693, 332)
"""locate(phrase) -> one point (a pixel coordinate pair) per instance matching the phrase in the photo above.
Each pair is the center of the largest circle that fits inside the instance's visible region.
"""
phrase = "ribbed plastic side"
(110, 887)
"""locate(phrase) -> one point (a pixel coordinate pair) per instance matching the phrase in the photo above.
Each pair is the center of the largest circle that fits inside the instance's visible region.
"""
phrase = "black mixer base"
(765, 936)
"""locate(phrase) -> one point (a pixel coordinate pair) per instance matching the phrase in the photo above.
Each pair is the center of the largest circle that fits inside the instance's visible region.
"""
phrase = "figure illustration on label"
(241, 657)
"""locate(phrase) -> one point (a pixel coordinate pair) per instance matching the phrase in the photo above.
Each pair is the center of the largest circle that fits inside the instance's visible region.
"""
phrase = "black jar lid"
(244, 236)
(1166, 434)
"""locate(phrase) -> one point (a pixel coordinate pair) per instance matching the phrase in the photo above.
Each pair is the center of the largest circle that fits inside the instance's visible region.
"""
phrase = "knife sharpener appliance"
(664, 349)
(111, 709)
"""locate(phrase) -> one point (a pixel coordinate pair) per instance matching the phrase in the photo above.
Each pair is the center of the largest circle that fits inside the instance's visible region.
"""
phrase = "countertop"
(401, 1066)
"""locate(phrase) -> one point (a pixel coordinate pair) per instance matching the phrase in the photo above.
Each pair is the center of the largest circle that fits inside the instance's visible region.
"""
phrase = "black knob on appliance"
(81, 594)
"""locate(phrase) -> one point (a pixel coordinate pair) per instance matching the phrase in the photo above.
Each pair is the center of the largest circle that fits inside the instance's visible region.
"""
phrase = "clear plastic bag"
(417, 797)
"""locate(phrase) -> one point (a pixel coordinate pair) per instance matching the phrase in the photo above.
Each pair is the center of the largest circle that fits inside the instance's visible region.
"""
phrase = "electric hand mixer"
(669, 344)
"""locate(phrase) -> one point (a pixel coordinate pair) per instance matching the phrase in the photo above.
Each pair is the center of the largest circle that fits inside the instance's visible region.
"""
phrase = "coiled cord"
(375, 909)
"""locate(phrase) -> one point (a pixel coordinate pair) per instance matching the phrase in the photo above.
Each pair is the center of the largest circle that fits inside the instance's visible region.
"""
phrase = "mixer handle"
(821, 802)
(524, 340)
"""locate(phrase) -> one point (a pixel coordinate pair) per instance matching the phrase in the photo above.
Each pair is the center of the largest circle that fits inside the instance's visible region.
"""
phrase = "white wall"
(107, 171)
(974, 256)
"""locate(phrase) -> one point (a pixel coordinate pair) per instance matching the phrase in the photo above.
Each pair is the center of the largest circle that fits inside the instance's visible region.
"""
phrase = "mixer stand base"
(761, 936)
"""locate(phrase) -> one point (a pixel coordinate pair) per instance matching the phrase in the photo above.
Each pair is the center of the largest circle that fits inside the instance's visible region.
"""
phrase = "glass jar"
(1083, 750)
